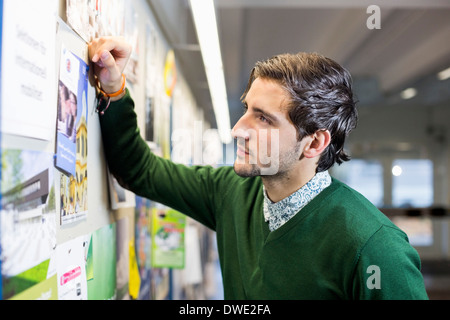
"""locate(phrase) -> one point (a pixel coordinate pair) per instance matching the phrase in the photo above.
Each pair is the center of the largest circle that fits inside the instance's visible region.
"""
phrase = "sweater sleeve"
(190, 190)
(388, 268)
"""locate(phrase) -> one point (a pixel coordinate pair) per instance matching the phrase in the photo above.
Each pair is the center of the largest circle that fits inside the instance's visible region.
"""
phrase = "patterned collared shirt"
(278, 213)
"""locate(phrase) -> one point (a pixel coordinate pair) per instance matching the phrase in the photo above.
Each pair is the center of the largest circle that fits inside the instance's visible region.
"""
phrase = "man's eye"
(244, 109)
(264, 119)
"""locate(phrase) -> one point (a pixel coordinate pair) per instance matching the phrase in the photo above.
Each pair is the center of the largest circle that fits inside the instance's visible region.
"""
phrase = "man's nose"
(241, 130)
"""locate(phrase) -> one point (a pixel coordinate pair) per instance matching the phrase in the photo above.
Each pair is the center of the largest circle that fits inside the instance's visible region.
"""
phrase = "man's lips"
(242, 152)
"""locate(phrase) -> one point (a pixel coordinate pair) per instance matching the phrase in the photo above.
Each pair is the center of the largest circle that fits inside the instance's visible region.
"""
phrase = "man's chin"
(246, 170)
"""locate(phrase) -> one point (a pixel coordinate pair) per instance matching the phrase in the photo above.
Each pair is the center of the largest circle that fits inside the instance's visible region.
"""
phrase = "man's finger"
(107, 60)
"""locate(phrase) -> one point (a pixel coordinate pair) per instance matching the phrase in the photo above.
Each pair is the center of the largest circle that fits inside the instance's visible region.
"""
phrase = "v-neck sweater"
(339, 246)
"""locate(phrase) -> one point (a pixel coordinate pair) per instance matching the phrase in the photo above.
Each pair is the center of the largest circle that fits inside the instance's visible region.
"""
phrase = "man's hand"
(109, 56)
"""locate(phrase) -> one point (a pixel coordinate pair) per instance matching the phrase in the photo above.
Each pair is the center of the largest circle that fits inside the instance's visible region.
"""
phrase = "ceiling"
(413, 42)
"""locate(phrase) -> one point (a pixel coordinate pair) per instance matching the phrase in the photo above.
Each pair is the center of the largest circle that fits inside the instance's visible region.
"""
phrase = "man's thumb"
(107, 59)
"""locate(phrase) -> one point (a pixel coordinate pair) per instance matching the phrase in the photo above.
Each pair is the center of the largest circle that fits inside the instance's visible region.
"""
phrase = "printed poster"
(101, 266)
(134, 284)
(81, 16)
(45, 290)
(193, 270)
(71, 269)
(1, 41)
(150, 81)
(91, 19)
(131, 35)
(122, 259)
(71, 136)
(28, 221)
(143, 244)
(28, 68)
(119, 197)
(72, 109)
(168, 227)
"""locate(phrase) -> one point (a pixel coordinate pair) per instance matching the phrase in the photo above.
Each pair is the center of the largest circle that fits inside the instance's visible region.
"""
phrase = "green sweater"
(339, 246)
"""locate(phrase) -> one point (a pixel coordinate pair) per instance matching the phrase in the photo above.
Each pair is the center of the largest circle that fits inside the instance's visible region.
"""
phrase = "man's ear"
(317, 143)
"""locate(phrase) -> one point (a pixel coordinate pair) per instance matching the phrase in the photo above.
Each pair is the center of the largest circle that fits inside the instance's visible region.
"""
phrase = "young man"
(285, 228)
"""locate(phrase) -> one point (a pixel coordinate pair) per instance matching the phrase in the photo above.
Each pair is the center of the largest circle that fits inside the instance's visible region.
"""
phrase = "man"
(285, 228)
(71, 116)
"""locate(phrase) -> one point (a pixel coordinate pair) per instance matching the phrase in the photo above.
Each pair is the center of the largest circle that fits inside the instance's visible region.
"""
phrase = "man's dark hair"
(321, 98)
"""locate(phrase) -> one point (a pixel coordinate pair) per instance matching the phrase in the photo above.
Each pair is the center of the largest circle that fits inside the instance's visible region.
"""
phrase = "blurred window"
(418, 229)
(365, 176)
(412, 183)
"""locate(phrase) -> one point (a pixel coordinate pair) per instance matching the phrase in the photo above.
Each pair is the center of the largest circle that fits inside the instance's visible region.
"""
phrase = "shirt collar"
(278, 213)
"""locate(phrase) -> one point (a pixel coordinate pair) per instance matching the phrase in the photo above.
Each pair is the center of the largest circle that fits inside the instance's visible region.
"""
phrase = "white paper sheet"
(71, 269)
(28, 68)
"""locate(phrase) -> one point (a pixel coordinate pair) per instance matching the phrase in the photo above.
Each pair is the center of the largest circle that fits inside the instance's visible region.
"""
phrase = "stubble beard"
(252, 171)
(283, 165)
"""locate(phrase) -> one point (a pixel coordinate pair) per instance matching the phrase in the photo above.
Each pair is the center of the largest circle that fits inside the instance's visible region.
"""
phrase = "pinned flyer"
(72, 110)
(168, 229)
(71, 270)
(27, 68)
(71, 136)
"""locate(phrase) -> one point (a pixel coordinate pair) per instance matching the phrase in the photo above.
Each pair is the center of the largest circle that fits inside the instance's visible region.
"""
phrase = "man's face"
(266, 138)
(73, 104)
